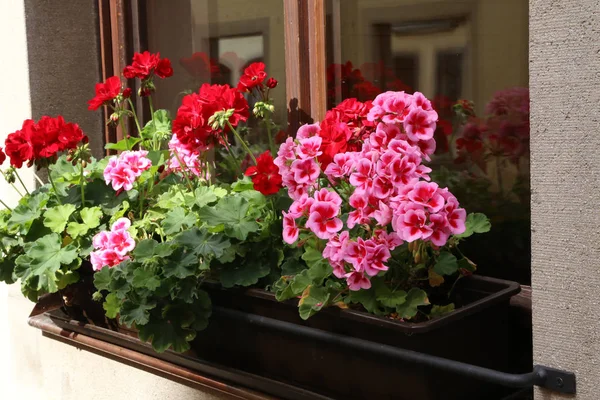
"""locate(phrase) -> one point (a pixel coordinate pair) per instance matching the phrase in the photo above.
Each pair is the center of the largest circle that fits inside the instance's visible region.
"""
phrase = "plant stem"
(124, 133)
(235, 160)
(54, 187)
(137, 122)
(271, 144)
(182, 166)
(151, 107)
(244, 145)
(20, 180)
(141, 196)
(81, 184)
(5, 205)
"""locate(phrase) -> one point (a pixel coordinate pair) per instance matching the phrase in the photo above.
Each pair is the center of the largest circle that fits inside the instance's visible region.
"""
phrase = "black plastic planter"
(296, 367)
(477, 333)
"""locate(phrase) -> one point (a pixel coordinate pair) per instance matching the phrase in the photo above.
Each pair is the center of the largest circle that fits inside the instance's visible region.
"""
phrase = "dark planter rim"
(502, 291)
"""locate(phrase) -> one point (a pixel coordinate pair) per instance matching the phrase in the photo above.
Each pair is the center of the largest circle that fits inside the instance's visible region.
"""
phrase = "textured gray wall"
(565, 175)
(64, 66)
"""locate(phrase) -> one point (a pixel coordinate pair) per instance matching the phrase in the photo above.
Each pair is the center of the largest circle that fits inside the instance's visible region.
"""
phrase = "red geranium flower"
(335, 137)
(265, 175)
(2, 156)
(44, 140)
(105, 92)
(254, 75)
(145, 64)
(191, 125)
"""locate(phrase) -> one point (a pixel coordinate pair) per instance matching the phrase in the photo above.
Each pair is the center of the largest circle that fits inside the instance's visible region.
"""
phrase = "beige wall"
(565, 174)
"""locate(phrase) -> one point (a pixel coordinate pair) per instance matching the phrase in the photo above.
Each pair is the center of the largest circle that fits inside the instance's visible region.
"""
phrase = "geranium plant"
(344, 214)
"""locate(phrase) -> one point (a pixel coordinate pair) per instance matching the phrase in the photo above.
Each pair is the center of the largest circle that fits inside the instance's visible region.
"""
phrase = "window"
(323, 51)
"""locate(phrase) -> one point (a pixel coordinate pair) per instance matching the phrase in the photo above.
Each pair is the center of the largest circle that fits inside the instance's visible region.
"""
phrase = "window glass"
(213, 41)
(470, 57)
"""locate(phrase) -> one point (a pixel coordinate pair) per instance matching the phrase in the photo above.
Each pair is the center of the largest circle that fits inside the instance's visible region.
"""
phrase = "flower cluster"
(144, 66)
(265, 175)
(194, 125)
(39, 143)
(111, 247)
(107, 92)
(190, 158)
(390, 198)
(124, 169)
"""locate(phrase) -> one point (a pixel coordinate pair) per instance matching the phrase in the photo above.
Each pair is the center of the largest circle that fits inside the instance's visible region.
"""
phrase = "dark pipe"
(563, 382)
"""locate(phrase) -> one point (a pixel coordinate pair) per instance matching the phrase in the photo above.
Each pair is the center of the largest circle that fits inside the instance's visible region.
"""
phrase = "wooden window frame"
(122, 27)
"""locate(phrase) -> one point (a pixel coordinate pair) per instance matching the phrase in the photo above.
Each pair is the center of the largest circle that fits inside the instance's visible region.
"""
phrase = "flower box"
(476, 333)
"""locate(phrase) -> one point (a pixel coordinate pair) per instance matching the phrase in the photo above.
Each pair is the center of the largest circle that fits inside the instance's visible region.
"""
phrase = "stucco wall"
(565, 171)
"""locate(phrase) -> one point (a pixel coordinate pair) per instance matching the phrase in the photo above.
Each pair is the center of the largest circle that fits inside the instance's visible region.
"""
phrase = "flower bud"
(114, 117)
(127, 93)
(144, 92)
(84, 163)
(161, 169)
(272, 83)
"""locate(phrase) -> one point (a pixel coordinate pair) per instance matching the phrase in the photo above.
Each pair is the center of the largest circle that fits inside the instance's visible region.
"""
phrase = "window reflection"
(471, 58)
(213, 41)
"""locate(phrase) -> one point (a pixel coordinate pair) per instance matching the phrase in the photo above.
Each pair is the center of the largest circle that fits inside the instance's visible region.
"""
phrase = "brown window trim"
(122, 32)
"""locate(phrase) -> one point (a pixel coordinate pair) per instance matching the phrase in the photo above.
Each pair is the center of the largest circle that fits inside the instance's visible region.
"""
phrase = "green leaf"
(244, 273)
(242, 185)
(230, 211)
(65, 279)
(291, 266)
(415, 298)
(135, 313)
(91, 216)
(181, 264)
(38, 266)
(102, 279)
(202, 242)
(28, 210)
(112, 305)
(438, 311)
(446, 264)
(176, 219)
(91, 219)
(163, 335)
(312, 301)
(204, 195)
(475, 223)
(144, 249)
(145, 278)
(56, 218)
(124, 144)
(313, 256)
(389, 298)
(367, 298)
(159, 125)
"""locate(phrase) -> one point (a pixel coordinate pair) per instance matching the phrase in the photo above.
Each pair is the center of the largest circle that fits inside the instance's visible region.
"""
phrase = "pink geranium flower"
(112, 247)
(413, 225)
(305, 171)
(323, 221)
(290, 230)
(357, 280)
(309, 148)
(420, 124)
(426, 194)
(122, 171)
